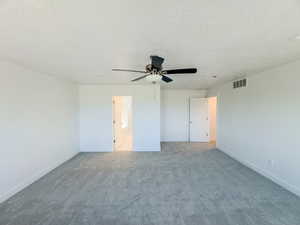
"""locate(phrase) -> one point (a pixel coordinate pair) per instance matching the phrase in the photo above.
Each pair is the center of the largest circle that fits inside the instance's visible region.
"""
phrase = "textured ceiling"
(84, 40)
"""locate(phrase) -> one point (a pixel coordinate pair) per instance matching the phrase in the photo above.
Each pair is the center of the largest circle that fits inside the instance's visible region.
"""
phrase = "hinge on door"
(207, 134)
(114, 141)
(114, 121)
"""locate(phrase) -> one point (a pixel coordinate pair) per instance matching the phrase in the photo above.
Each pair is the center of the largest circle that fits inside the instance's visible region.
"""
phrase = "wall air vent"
(239, 83)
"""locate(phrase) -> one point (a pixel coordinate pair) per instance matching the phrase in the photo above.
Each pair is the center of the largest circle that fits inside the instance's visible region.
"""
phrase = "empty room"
(149, 112)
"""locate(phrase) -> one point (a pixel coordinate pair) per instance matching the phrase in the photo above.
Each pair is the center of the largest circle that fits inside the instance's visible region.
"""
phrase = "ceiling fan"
(154, 72)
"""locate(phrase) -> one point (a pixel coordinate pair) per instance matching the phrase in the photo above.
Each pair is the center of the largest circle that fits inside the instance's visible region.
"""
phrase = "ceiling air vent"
(239, 83)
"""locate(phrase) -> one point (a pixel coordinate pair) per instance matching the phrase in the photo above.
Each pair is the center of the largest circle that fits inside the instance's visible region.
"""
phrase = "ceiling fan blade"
(139, 78)
(166, 79)
(156, 61)
(125, 70)
(180, 71)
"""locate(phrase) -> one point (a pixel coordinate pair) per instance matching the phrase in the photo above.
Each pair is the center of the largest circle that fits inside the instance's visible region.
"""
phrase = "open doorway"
(122, 123)
(212, 105)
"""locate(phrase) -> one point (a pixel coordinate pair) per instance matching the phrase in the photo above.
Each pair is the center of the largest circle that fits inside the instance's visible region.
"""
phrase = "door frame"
(114, 122)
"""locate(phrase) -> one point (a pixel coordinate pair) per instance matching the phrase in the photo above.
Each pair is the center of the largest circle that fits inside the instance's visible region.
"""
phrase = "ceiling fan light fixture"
(153, 78)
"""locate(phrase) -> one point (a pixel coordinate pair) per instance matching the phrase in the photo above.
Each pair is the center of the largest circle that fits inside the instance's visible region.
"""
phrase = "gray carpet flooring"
(186, 184)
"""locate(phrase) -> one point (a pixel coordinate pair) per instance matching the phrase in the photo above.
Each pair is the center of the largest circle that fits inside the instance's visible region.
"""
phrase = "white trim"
(147, 149)
(97, 148)
(295, 190)
(113, 143)
(189, 120)
(110, 149)
(100, 149)
(32, 179)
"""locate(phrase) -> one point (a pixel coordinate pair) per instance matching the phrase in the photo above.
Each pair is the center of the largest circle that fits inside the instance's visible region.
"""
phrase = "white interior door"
(199, 123)
(122, 123)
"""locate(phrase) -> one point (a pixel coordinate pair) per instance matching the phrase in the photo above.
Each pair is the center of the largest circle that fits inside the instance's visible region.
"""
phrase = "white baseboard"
(266, 174)
(19, 187)
(109, 149)
(175, 140)
(96, 150)
(104, 148)
(147, 149)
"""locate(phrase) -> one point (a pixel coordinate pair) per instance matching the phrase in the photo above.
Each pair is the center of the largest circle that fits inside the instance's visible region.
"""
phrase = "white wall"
(96, 132)
(175, 113)
(260, 125)
(38, 117)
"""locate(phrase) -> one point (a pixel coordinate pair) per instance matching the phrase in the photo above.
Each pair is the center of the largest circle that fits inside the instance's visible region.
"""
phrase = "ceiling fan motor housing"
(157, 62)
(148, 68)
